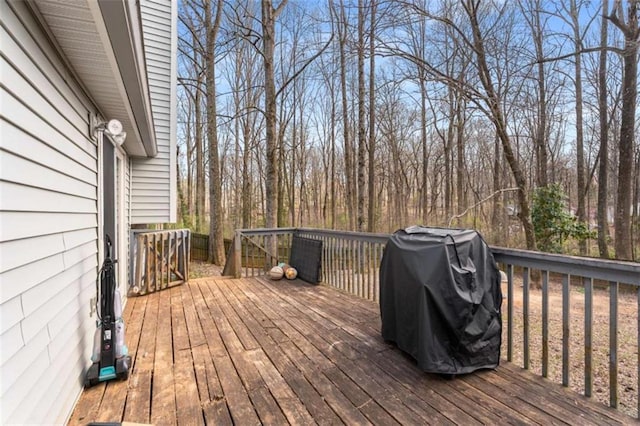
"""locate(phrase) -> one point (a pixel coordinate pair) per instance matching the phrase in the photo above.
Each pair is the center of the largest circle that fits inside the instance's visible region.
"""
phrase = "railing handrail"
(624, 272)
(620, 271)
(156, 231)
(368, 237)
(266, 231)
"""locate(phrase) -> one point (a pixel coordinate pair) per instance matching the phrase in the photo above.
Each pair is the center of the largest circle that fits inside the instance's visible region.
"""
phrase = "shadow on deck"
(249, 351)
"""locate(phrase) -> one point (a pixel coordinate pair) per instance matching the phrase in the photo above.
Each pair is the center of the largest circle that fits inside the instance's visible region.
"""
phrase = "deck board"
(250, 351)
(163, 404)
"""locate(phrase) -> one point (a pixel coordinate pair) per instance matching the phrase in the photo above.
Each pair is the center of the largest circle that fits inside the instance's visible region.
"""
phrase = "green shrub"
(552, 223)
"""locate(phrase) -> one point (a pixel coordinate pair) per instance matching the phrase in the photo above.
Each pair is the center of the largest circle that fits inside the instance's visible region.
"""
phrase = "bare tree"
(269, 16)
(531, 13)
(273, 188)
(581, 212)
(603, 175)
(487, 99)
(631, 32)
(372, 121)
(192, 48)
(342, 26)
(417, 45)
(361, 118)
(199, 142)
(216, 237)
(471, 7)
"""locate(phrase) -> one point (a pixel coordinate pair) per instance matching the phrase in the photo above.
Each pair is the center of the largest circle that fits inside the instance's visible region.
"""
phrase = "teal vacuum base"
(97, 374)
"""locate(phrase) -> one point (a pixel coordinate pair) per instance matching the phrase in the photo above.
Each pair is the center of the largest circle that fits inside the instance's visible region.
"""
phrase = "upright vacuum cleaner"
(110, 356)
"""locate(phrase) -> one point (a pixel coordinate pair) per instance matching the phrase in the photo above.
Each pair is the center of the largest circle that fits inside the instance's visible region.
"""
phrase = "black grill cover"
(440, 299)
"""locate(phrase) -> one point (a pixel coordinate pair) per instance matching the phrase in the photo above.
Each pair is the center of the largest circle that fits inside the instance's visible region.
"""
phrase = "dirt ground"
(627, 336)
(199, 269)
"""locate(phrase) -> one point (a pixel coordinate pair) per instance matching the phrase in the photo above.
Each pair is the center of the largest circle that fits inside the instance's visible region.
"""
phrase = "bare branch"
(305, 65)
(572, 54)
(500, 191)
(277, 10)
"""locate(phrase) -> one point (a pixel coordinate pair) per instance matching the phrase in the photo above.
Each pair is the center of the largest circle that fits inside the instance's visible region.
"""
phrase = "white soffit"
(80, 32)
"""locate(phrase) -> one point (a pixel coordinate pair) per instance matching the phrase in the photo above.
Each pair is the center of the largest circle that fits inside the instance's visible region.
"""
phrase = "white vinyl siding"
(123, 221)
(48, 226)
(153, 180)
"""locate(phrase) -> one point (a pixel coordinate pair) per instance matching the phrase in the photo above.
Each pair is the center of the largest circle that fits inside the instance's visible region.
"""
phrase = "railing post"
(545, 323)
(187, 255)
(588, 335)
(510, 312)
(237, 254)
(525, 317)
(566, 329)
(139, 262)
(613, 344)
(148, 243)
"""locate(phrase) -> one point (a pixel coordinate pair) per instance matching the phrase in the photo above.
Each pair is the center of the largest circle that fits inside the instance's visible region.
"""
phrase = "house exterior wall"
(153, 180)
(49, 225)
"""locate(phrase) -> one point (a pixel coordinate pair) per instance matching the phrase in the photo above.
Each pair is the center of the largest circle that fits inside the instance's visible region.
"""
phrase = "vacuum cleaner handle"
(108, 245)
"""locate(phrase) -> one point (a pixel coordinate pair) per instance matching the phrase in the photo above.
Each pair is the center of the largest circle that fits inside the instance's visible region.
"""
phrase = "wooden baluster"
(510, 313)
(158, 261)
(588, 336)
(171, 240)
(566, 328)
(154, 272)
(139, 263)
(186, 250)
(525, 317)
(148, 254)
(545, 323)
(613, 344)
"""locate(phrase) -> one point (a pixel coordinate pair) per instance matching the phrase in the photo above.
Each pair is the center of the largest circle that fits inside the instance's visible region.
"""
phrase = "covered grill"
(440, 299)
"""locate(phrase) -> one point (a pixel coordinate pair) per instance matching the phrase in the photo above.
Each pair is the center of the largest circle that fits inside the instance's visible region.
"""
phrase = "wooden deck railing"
(544, 266)
(350, 262)
(257, 250)
(160, 259)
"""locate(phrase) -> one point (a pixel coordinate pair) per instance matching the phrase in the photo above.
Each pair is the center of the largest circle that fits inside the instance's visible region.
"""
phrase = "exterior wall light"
(112, 128)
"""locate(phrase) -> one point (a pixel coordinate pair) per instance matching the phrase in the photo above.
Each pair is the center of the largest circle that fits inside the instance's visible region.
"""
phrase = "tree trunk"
(581, 187)
(635, 218)
(291, 191)
(281, 214)
(541, 128)
(425, 154)
(603, 176)
(460, 166)
(622, 219)
(200, 178)
(236, 211)
(361, 118)
(269, 15)
(497, 206)
(190, 153)
(333, 161)
(216, 241)
(448, 142)
(372, 123)
(348, 161)
(183, 212)
(246, 181)
(625, 149)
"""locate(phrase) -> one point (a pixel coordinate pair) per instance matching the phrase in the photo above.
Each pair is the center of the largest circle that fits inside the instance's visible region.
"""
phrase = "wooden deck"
(250, 351)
